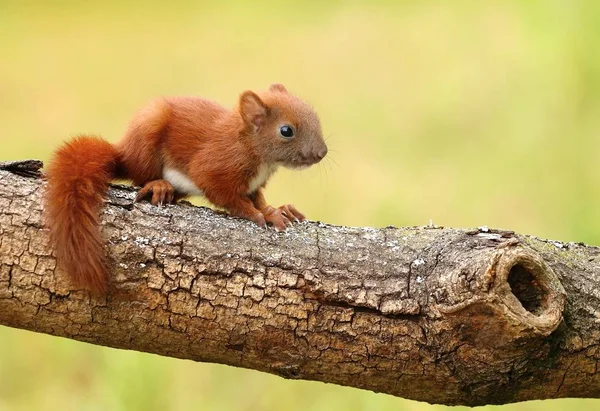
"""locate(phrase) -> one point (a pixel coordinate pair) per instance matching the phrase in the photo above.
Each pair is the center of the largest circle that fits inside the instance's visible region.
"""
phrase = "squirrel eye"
(286, 131)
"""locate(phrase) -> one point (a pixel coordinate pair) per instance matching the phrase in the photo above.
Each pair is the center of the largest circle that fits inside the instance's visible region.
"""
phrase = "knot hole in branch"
(527, 289)
(530, 289)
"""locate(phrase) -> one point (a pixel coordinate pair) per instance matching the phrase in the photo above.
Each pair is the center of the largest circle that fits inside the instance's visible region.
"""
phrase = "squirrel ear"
(278, 87)
(252, 109)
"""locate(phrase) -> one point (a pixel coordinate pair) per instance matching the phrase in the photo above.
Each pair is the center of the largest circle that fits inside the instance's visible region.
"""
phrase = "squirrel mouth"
(299, 165)
(299, 162)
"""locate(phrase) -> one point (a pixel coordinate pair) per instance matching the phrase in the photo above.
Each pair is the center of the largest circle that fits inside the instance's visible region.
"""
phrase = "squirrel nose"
(315, 155)
(322, 153)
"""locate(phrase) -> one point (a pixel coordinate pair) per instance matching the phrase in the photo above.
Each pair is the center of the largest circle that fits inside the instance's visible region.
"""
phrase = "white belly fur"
(263, 173)
(181, 182)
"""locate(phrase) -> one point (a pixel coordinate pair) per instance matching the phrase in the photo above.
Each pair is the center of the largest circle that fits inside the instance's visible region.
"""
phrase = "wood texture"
(433, 314)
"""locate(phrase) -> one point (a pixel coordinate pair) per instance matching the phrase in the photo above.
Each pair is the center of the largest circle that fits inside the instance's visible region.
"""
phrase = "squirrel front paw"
(259, 219)
(276, 217)
(292, 213)
(282, 217)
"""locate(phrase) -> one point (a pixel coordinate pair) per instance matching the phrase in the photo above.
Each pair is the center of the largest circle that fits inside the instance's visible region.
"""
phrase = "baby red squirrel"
(176, 147)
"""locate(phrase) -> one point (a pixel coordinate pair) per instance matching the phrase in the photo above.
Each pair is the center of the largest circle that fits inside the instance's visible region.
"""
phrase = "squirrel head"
(284, 129)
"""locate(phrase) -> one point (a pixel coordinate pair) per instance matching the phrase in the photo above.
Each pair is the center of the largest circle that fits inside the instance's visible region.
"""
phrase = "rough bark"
(433, 314)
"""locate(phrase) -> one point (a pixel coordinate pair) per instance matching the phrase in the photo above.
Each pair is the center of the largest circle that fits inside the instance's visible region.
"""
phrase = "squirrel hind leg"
(140, 148)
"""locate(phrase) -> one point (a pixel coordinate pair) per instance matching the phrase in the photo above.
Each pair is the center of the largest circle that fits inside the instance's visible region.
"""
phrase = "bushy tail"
(78, 177)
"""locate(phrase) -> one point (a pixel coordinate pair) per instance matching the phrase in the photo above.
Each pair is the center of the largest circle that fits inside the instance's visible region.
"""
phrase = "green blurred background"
(468, 113)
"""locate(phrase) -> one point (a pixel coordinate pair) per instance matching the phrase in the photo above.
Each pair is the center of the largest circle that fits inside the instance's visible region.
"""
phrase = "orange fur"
(193, 142)
(78, 178)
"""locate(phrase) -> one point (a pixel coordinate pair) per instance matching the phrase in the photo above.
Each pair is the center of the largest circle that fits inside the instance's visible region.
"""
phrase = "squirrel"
(175, 147)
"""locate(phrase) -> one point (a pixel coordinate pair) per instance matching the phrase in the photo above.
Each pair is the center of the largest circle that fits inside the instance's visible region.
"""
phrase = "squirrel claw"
(292, 213)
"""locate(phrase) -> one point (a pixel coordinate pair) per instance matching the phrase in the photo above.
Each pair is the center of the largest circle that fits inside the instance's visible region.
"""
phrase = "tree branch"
(439, 315)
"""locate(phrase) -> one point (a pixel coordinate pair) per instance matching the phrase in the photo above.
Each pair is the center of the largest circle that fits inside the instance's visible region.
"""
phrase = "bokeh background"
(467, 113)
